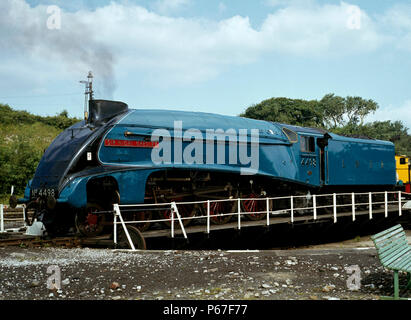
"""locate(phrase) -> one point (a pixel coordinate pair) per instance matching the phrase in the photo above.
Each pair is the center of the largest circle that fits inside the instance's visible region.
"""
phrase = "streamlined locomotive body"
(119, 155)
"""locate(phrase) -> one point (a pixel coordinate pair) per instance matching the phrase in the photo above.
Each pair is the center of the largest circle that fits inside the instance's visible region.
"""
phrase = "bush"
(24, 138)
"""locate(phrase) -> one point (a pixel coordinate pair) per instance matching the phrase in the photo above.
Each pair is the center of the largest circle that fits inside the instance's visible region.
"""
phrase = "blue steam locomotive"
(120, 155)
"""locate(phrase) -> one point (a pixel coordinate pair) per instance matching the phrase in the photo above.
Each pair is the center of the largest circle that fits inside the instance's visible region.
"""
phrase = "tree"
(331, 112)
(333, 109)
(64, 114)
(285, 110)
(340, 115)
(340, 112)
(395, 132)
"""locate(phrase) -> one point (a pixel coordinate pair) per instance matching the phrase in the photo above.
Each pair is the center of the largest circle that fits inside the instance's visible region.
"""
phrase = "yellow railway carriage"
(402, 163)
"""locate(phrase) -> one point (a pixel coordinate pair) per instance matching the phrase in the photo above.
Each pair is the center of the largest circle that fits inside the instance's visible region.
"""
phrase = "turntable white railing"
(315, 206)
(4, 218)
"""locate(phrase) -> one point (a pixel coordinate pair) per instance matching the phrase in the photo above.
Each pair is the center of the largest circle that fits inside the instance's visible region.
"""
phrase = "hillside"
(24, 137)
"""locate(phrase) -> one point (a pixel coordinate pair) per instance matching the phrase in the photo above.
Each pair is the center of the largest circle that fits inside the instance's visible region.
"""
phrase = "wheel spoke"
(185, 211)
(256, 208)
(142, 216)
(219, 211)
(90, 223)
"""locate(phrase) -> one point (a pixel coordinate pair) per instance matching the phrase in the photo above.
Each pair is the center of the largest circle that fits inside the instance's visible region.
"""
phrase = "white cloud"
(124, 37)
(181, 49)
(188, 50)
(396, 23)
(320, 31)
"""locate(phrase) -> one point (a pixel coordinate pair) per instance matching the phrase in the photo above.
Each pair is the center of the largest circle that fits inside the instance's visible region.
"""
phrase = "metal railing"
(289, 207)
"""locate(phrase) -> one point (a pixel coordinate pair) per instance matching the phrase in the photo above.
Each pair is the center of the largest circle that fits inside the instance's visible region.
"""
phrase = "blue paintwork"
(278, 157)
(360, 162)
(131, 188)
(59, 154)
(274, 146)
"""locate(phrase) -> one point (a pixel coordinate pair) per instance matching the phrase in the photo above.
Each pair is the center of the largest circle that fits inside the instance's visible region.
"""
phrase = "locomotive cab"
(309, 145)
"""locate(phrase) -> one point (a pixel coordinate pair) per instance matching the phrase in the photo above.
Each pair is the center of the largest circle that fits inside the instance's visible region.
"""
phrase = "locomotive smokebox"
(103, 110)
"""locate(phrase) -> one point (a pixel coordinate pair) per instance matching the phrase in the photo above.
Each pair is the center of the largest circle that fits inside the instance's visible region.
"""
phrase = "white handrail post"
(353, 205)
(24, 214)
(335, 207)
(115, 226)
(315, 206)
(117, 210)
(399, 203)
(292, 209)
(370, 204)
(208, 216)
(175, 209)
(239, 213)
(172, 220)
(268, 211)
(1, 218)
(386, 203)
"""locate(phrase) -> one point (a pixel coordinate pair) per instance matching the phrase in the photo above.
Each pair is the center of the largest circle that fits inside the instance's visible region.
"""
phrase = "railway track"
(22, 240)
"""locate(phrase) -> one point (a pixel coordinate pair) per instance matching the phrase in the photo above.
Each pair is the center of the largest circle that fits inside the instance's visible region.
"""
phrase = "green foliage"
(284, 110)
(339, 115)
(395, 132)
(338, 111)
(10, 116)
(24, 138)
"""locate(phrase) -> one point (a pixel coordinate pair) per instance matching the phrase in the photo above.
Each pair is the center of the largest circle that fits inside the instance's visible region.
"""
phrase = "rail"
(291, 208)
(11, 217)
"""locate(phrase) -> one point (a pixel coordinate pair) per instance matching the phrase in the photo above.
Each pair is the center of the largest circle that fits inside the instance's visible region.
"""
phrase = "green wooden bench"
(394, 253)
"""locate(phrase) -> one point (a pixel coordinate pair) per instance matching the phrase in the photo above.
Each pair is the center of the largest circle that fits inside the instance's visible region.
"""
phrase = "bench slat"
(395, 257)
(393, 249)
(408, 266)
(394, 252)
(404, 263)
(394, 246)
(381, 239)
(395, 242)
(396, 228)
(405, 266)
(386, 242)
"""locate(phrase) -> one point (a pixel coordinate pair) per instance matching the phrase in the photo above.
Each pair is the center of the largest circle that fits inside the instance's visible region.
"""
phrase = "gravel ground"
(310, 273)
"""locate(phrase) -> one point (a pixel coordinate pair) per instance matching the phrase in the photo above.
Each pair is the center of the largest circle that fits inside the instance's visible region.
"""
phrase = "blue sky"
(213, 56)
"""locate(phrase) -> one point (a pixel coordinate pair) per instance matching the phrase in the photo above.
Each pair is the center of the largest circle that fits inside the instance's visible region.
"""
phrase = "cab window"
(291, 135)
(307, 144)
